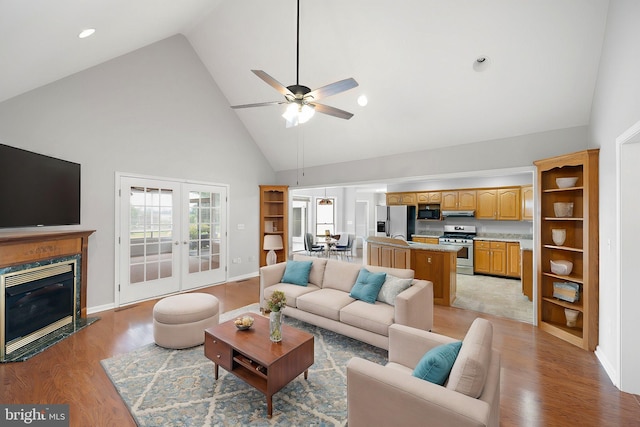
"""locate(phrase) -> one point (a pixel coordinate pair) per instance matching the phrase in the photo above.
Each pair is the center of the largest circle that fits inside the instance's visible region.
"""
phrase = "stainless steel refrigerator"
(398, 222)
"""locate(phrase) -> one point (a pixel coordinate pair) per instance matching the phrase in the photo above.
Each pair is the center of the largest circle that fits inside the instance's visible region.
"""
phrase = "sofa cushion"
(469, 372)
(436, 363)
(292, 292)
(403, 273)
(374, 318)
(316, 274)
(367, 286)
(324, 302)
(297, 272)
(391, 287)
(340, 275)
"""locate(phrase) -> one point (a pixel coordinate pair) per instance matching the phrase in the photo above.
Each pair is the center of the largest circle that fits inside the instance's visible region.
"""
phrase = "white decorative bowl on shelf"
(558, 235)
(561, 267)
(563, 210)
(567, 182)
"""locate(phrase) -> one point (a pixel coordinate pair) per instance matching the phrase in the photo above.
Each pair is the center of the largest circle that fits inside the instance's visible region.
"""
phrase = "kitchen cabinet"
(439, 268)
(527, 274)
(513, 260)
(429, 198)
(526, 195)
(273, 219)
(490, 257)
(579, 247)
(430, 240)
(388, 256)
(464, 200)
(498, 203)
(401, 199)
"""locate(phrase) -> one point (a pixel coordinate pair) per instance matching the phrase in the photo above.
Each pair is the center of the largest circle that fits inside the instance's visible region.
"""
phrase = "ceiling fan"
(301, 99)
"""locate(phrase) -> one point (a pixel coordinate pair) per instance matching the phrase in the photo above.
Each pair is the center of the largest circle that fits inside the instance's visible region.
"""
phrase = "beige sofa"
(325, 301)
(390, 395)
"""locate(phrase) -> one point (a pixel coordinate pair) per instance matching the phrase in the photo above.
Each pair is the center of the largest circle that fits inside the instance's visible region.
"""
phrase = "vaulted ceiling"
(415, 60)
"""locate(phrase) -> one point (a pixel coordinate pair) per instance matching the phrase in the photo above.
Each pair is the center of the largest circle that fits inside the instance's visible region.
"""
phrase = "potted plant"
(276, 303)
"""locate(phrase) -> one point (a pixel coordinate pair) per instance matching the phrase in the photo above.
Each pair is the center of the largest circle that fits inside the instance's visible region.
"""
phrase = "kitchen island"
(436, 263)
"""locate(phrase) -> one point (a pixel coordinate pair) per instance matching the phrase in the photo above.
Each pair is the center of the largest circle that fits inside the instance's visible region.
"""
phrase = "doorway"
(299, 223)
(172, 237)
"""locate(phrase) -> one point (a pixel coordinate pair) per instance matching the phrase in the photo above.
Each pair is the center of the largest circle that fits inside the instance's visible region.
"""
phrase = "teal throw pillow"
(391, 287)
(297, 272)
(367, 286)
(435, 366)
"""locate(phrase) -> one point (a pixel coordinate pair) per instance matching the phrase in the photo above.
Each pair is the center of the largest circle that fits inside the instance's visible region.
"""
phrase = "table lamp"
(272, 242)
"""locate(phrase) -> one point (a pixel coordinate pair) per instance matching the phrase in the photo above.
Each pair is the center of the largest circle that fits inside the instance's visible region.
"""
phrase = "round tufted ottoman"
(179, 321)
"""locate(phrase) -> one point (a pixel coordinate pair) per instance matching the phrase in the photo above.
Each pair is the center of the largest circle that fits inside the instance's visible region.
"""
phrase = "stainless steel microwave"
(429, 214)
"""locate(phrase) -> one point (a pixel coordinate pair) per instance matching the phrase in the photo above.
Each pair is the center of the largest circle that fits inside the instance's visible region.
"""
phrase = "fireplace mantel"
(25, 247)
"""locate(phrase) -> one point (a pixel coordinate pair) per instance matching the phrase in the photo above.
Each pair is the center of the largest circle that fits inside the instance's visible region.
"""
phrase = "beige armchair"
(389, 395)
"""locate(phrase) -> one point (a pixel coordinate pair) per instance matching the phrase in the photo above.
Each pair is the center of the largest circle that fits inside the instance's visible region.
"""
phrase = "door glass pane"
(150, 233)
(204, 230)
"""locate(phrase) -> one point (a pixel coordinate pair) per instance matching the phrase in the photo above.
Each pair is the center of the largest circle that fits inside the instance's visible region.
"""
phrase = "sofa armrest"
(269, 276)
(381, 396)
(407, 345)
(414, 306)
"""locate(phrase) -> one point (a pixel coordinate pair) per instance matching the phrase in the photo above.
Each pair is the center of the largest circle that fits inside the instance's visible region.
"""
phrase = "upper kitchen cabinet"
(430, 198)
(568, 233)
(498, 203)
(464, 200)
(526, 195)
(401, 199)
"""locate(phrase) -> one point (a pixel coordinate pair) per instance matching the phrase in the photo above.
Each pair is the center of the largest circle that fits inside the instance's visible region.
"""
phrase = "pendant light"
(325, 201)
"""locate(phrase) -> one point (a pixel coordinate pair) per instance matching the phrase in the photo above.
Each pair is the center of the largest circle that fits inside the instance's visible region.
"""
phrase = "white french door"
(172, 237)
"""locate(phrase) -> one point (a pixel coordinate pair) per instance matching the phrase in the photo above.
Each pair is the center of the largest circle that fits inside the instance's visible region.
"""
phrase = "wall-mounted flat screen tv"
(37, 190)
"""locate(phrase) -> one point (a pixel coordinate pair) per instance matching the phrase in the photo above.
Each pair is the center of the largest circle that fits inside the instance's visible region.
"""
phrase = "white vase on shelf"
(558, 235)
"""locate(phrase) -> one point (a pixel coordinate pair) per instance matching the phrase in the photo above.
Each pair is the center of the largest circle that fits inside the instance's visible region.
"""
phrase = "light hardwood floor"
(545, 381)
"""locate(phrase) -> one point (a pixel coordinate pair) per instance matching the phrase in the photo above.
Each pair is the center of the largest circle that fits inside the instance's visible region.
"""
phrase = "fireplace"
(37, 301)
(43, 288)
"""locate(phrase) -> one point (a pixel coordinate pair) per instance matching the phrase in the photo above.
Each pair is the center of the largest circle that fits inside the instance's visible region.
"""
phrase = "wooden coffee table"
(251, 356)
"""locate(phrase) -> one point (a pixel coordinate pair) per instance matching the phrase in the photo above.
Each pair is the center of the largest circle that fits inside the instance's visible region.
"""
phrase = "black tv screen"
(37, 190)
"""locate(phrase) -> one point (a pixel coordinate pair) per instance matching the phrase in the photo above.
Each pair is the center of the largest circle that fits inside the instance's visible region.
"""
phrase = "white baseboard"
(105, 307)
(608, 367)
(99, 308)
(243, 277)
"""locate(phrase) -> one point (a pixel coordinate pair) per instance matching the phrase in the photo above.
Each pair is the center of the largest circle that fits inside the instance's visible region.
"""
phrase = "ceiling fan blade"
(273, 82)
(332, 111)
(332, 89)
(259, 104)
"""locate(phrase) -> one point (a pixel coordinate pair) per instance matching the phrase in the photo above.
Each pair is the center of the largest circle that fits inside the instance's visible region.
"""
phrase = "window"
(325, 217)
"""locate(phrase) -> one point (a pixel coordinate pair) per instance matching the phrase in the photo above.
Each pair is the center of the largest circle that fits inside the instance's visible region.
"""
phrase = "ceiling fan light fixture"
(296, 114)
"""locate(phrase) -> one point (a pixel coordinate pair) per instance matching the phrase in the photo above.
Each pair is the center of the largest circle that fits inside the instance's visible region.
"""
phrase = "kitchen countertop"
(433, 235)
(412, 245)
(525, 240)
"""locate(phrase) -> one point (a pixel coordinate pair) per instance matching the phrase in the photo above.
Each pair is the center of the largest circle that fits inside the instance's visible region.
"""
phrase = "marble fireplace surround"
(26, 250)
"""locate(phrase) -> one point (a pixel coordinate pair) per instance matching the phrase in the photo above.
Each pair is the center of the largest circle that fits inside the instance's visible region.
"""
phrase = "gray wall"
(516, 152)
(155, 111)
(616, 107)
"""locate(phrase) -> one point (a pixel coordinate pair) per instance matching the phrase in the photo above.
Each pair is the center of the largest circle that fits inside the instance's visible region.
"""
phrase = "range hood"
(451, 214)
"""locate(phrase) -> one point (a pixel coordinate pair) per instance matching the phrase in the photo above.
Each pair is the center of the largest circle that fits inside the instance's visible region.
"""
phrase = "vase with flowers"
(276, 303)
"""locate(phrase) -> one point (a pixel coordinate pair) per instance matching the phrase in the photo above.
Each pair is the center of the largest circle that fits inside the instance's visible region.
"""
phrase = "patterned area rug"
(493, 295)
(165, 387)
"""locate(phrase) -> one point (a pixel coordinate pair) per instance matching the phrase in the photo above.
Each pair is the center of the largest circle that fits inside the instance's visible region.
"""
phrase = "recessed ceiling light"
(362, 100)
(86, 33)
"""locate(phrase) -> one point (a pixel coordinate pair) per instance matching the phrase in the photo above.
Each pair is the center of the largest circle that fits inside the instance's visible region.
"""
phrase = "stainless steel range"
(461, 235)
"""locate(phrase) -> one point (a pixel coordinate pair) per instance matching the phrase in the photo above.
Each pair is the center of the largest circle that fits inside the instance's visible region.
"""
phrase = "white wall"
(155, 111)
(616, 107)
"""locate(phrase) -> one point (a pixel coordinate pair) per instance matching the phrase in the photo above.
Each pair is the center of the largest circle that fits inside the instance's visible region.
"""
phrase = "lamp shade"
(272, 242)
